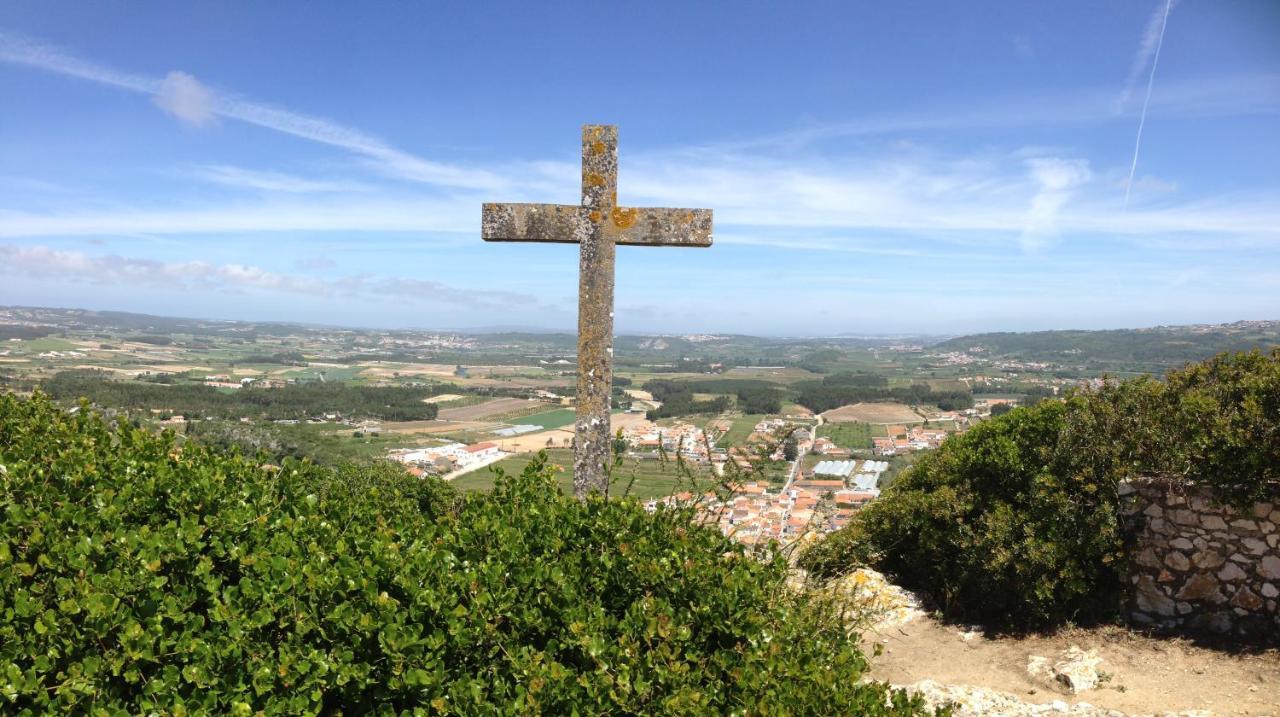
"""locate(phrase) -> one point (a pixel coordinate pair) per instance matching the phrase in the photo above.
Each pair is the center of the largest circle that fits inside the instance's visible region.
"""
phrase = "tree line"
(677, 397)
(292, 401)
(842, 389)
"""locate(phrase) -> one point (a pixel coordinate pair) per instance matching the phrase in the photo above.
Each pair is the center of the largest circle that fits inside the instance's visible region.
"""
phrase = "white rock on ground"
(878, 602)
(981, 702)
(1075, 671)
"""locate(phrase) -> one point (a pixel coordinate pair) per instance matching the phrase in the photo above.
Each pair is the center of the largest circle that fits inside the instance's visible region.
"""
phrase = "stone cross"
(597, 226)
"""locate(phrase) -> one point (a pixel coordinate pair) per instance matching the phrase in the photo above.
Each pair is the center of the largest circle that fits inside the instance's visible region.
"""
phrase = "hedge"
(138, 576)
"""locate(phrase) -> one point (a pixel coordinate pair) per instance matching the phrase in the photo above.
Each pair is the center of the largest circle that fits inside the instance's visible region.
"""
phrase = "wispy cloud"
(241, 178)
(893, 203)
(113, 269)
(182, 96)
(1057, 178)
(1240, 94)
(864, 202)
(185, 97)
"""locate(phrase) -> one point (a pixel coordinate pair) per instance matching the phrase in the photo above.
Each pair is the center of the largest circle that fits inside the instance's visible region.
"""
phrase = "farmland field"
(741, 428)
(479, 411)
(873, 413)
(556, 418)
(851, 435)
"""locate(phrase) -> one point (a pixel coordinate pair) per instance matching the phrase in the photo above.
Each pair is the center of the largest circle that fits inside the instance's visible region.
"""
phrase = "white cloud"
(1057, 178)
(241, 178)
(182, 96)
(74, 266)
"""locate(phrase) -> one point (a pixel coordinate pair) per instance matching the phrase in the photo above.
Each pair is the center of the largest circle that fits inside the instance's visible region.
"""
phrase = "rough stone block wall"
(1200, 568)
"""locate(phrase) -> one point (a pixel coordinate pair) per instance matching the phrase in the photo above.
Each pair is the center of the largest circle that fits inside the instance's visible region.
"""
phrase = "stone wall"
(1200, 568)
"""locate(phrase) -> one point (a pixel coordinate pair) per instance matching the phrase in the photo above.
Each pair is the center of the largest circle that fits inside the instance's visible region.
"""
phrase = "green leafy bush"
(137, 577)
(1016, 522)
(1215, 423)
(1005, 523)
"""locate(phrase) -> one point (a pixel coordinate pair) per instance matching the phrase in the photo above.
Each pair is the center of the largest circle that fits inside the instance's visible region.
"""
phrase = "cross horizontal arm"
(564, 223)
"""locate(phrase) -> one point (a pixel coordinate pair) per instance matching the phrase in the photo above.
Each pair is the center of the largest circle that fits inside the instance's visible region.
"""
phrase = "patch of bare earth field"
(433, 427)
(1141, 675)
(560, 437)
(873, 413)
(496, 407)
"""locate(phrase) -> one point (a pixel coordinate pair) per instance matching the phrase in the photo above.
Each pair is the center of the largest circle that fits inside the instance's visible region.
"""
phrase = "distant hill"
(1162, 345)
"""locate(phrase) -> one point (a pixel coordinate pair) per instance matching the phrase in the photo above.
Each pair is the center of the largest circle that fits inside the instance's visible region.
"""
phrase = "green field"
(851, 435)
(741, 428)
(647, 479)
(330, 443)
(47, 343)
(556, 418)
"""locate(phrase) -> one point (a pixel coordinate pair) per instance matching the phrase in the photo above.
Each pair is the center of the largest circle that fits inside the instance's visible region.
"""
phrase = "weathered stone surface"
(1077, 671)
(1177, 561)
(1203, 567)
(1269, 567)
(1246, 599)
(1147, 557)
(1231, 573)
(1207, 559)
(1183, 517)
(1253, 545)
(1149, 598)
(1213, 522)
(1201, 587)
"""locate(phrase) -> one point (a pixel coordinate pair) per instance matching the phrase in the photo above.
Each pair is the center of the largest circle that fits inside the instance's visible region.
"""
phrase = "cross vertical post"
(598, 225)
(595, 312)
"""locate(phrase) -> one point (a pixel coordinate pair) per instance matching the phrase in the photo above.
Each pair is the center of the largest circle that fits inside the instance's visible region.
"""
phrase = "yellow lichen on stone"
(594, 216)
(622, 217)
(592, 179)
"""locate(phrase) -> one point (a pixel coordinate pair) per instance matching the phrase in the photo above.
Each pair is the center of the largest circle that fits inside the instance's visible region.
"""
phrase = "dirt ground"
(430, 427)
(442, 398)
(531, 442)
(488, 408)
(873, 413)
(1147, 675)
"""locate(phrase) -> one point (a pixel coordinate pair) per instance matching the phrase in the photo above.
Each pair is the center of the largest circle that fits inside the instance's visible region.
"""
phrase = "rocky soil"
(1111, 671)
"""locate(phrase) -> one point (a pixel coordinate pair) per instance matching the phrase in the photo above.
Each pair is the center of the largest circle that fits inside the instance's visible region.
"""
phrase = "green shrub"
(1016, 522)
(1215, 423)
(1004, 524)
(137, 577)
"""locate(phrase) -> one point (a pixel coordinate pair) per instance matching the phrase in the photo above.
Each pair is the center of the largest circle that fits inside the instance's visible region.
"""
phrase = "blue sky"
(873, 167)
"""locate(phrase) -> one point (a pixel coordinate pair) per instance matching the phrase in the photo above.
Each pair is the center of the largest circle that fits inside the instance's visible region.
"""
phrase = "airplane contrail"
(1142, 119)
